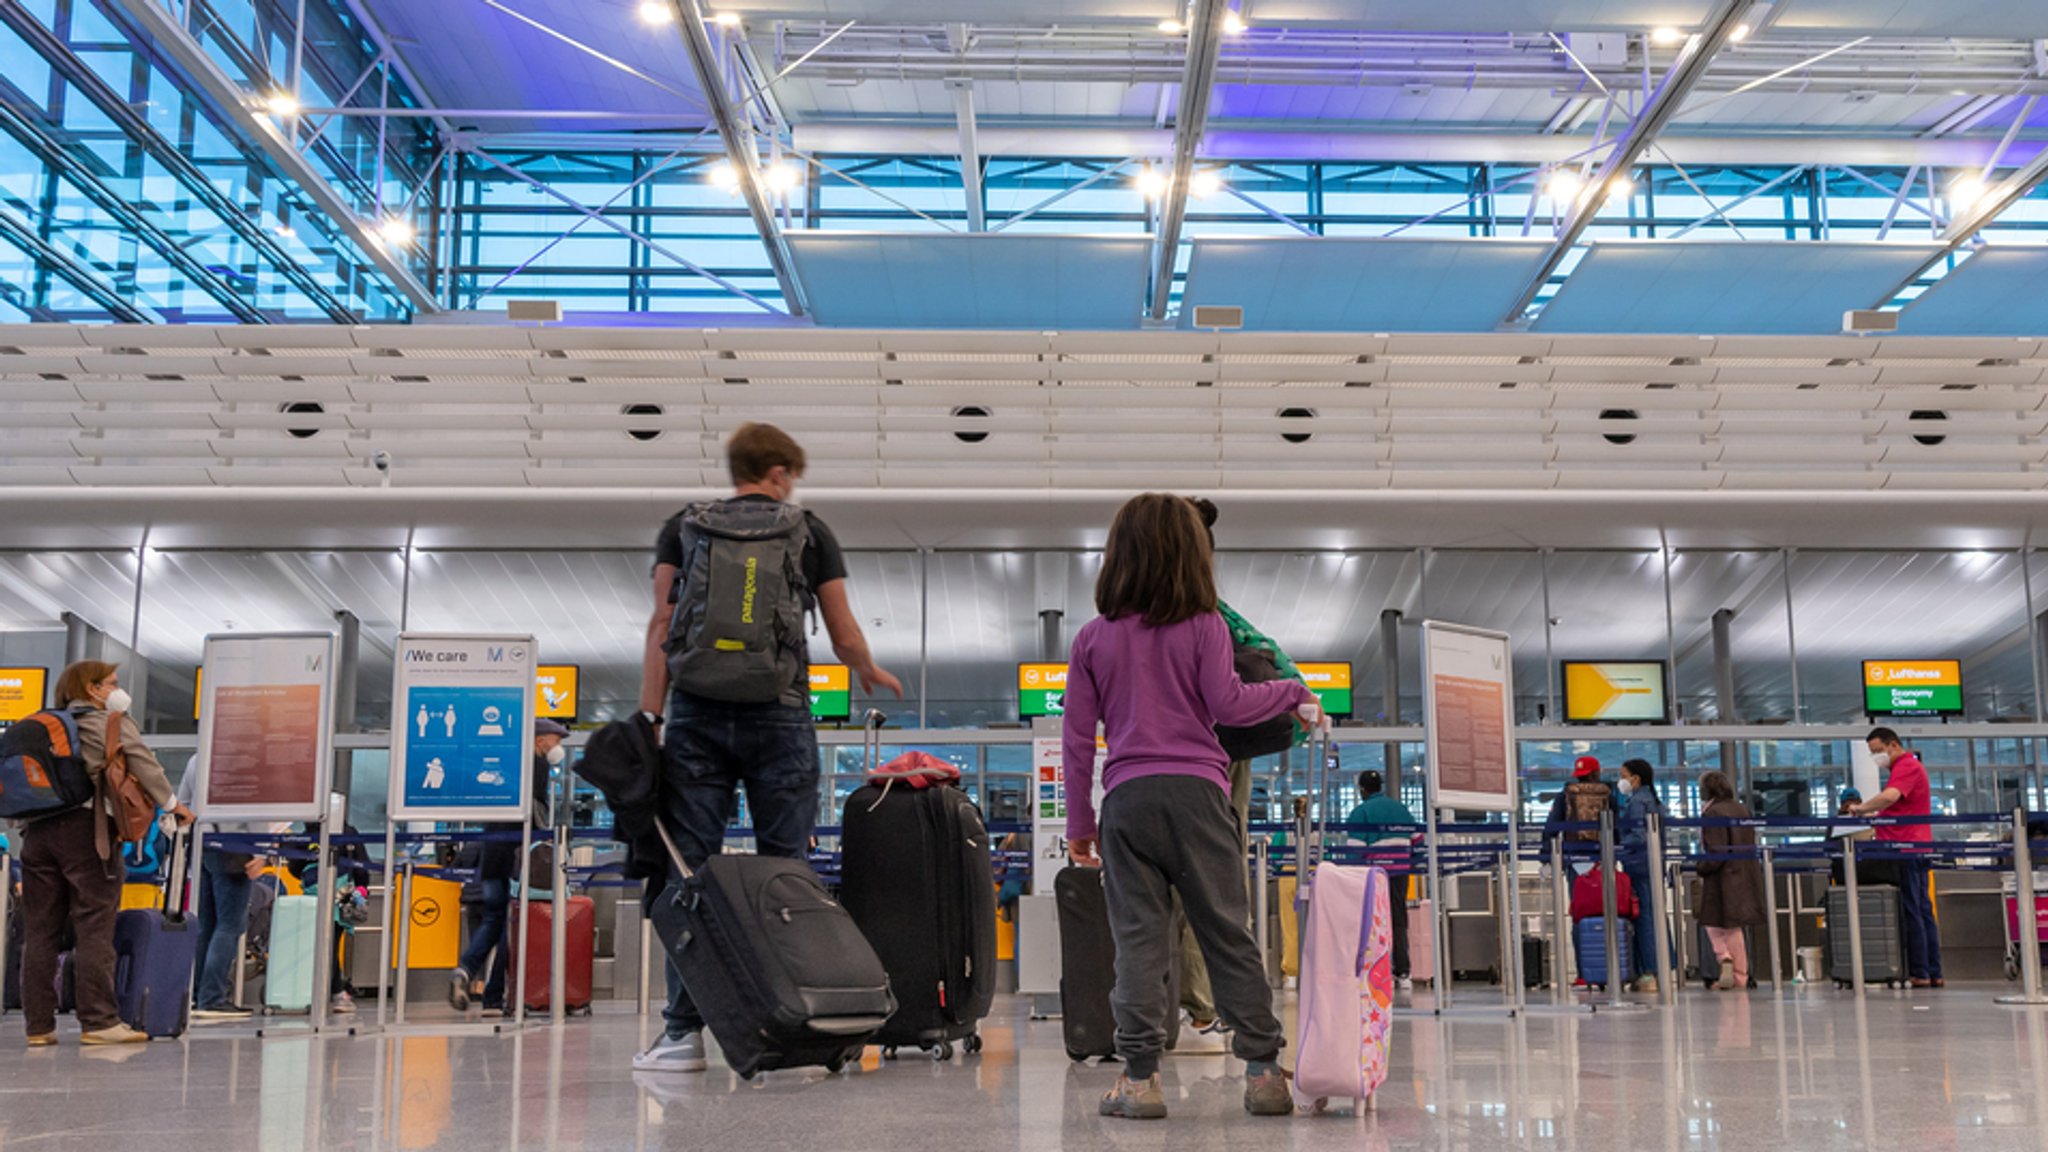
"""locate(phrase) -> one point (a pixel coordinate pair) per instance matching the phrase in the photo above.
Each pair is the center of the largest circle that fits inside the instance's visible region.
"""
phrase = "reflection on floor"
(1816, 1070)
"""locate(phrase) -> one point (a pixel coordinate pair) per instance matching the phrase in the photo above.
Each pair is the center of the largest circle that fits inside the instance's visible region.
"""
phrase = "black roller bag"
(1088, 967)
(780, 972)
(917, 879)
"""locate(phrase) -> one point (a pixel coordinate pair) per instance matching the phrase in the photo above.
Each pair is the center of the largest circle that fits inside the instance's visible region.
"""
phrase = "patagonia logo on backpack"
(737, 631)
(42, 767)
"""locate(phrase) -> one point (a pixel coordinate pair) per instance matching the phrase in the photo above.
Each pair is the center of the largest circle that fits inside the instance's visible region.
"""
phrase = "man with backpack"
(1581, 802)
(734, 581)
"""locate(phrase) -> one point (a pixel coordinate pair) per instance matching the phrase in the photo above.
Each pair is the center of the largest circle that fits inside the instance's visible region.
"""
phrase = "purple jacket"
(1159, 694)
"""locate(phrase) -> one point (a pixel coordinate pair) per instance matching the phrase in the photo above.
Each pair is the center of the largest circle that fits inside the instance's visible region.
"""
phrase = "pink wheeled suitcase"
(1347, 989)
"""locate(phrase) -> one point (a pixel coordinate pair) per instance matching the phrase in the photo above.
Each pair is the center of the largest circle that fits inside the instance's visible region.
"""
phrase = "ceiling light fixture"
(1740, 33)
(657, 12)
(1965, 193)
(726, 19)
(1564, 186)
(1150, 182)
(397, 231)
(1205, 183)
(782, 176)
(1621, 185)
(1232, 23)
(282, 104)
(1172, 27)
(724, 175)
(1666, 36)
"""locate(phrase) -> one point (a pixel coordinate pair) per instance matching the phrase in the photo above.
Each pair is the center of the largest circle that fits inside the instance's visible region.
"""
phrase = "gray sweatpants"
(1167, 835)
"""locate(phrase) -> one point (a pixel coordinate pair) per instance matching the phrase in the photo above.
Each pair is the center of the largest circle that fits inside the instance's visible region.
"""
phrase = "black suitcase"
(1088, 966)
(781, 973)
(915, 876)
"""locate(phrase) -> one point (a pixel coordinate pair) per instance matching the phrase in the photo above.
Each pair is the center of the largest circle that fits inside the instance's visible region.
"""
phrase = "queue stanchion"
(404, 957)
(1658, 896)
(646, 962)
(1855, 914)
(1561, 954)
(1609, 891)
(7, 912)
(558, 933)
(1771, 921)
(515, 968)
(2029, 917)
(384, 953)
(1262, 866)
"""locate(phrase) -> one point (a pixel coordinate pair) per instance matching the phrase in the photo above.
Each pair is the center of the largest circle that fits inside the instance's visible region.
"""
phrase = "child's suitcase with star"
(1347, 989)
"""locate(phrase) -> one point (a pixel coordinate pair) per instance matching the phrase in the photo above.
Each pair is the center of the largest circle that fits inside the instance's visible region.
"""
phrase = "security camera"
(380, 460)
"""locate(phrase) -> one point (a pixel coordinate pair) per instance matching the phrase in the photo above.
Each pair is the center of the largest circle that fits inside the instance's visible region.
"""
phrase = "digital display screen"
(1615, 692)
(1913, 687)
(831, 692)
(1041, 690)
(1332, 685)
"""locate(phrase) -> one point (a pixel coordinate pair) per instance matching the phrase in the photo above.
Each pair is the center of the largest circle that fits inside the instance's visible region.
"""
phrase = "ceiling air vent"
(1297, 414)
(645, 432)
(1619, 414)
(303, 408)
(1930, 439)
(1219, 316)
(971, 412)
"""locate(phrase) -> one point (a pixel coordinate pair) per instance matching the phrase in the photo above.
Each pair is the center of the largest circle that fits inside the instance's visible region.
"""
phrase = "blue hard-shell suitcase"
(153, 958)
(1591, 937)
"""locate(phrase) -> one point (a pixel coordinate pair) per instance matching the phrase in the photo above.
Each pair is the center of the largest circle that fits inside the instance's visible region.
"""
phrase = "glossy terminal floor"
(1943, 1070)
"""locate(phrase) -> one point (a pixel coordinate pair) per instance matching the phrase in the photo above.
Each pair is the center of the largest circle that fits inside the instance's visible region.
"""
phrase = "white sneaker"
(1647, 985)
(1405, 984)
(216, 1015)
(667, 1055)
(343, 1004)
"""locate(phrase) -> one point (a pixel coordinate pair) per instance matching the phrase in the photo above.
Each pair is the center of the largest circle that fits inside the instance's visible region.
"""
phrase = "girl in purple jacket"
(1155, 670)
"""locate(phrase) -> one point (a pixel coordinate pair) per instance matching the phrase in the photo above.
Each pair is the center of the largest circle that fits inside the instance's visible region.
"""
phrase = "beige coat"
(142, 763)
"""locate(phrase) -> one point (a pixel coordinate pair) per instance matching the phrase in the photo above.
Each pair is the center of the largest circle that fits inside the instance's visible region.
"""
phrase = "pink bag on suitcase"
(1347, 989)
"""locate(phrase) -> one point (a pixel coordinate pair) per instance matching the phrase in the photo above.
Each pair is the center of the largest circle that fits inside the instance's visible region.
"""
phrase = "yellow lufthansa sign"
(21, 692)
(1923, 673)
(555, 690)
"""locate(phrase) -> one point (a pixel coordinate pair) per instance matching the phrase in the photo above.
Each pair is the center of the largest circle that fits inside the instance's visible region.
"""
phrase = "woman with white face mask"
(64, 879)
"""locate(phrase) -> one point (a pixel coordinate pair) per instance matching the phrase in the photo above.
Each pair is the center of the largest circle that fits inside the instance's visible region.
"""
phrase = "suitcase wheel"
(889, 1052)
(941, 1052)
(972, 1045)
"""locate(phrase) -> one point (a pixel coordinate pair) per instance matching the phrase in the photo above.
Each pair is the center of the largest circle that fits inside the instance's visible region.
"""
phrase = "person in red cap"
(1581, 802)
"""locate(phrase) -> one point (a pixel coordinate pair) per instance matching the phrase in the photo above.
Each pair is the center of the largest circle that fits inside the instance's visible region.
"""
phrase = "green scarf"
(1244, 634)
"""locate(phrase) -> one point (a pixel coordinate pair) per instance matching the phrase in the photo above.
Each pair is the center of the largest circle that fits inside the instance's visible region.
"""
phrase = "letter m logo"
(495, 655)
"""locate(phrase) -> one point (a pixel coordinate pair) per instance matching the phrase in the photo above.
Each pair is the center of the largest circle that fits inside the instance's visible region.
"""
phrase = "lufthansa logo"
(426, 912)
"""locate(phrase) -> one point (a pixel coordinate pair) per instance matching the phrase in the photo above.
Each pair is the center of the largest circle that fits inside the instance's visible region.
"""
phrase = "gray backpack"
(737, 632)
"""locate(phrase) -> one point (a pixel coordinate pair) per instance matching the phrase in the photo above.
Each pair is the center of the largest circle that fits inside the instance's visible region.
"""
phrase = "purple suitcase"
(153, 957)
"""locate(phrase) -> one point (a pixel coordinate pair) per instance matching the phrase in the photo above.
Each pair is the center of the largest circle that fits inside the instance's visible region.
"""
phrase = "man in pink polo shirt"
(1906, 793)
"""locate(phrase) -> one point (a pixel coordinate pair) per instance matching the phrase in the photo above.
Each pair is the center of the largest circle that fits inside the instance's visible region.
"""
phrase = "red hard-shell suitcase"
(534, 950)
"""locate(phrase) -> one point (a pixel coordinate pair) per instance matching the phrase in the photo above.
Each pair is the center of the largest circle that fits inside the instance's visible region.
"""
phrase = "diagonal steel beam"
(970, 155)
(739, 149)
(177, 48)
(1663, 105)
(1965, 226)
(74, 272)
(196, 183)
(28, 128)
(1198, 79)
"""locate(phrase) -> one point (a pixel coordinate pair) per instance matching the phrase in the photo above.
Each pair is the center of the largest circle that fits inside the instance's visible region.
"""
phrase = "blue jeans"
(223, 917)
(1923, 935)
(711, 749)
(1646, 927)
(493, 911)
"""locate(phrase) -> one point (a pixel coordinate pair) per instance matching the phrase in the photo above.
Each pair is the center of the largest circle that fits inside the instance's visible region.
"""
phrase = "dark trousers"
(64, 881)
(1923, 935)
(1163, 836)
(712, 750)
(1397, 908)
(493, 909)
(223, 917)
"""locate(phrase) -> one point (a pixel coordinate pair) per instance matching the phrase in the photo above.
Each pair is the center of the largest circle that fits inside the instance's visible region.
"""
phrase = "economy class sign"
(1912, 687)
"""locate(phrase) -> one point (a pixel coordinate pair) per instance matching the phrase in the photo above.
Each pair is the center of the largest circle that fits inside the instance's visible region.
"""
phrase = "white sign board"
(462, 709)
(266, 727)
(1468, 704)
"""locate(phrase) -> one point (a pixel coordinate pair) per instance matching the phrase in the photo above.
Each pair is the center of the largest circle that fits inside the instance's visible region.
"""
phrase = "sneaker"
(1214, 1027)
(1647, 985)
(1726, 981)
(668, 1054)
(1138, 1100)
(343, 1004)
(118, 1034)
(1405, 984)
(1266, 1089)
(222, 1013)
(46, 1040)
(458, 990)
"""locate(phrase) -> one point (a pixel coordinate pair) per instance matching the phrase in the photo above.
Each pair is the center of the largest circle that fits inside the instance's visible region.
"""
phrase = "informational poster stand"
(1468, 705)
(266, 751)
(462, 712)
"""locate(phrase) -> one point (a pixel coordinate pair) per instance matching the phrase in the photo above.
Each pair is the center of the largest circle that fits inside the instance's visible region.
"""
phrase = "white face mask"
(119, 700)
(1626, 785)
(556, 755)
(1883, 760)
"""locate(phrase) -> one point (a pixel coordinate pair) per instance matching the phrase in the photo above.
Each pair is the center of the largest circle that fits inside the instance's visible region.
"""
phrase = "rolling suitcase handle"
(871, 740)
(176, 882)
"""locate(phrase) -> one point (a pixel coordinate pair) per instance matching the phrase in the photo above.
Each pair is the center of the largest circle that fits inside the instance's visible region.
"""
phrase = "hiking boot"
(118, 1034)
(1266, 1089)
(1136, 1100)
